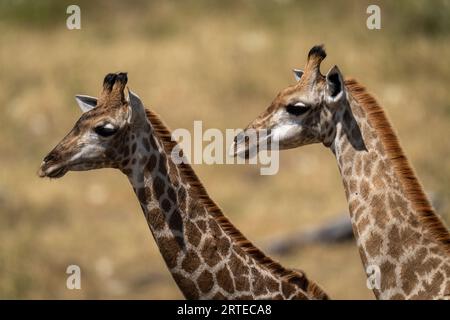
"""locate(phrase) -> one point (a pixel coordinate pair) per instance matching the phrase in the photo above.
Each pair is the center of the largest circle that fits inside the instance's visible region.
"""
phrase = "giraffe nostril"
(50, 157)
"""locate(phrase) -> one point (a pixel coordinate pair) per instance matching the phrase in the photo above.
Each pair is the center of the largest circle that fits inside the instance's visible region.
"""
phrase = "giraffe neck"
(390, 226)
(207, 257)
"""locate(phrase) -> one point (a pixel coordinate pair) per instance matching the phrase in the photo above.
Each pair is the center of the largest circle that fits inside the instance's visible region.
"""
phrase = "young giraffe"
(394, 224)
(207, 256)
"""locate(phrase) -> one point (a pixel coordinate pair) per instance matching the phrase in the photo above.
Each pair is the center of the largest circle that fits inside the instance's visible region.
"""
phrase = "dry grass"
(219, 63)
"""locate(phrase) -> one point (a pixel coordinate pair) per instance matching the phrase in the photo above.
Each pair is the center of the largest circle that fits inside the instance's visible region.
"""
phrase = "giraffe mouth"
(246, 147)
(53, 172)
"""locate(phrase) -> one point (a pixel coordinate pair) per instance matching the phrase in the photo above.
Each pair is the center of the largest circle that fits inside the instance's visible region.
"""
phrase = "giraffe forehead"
(303, 90)
(102, 113)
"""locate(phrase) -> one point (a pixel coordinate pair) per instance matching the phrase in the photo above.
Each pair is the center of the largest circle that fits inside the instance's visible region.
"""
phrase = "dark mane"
(297, 278)
(404, 171)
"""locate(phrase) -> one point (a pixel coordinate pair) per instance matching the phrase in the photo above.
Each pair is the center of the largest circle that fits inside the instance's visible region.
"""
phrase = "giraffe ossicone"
(395, 226)
(206, 255)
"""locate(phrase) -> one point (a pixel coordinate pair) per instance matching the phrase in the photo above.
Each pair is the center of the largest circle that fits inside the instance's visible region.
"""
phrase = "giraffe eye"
(105, 130)
(297, 109)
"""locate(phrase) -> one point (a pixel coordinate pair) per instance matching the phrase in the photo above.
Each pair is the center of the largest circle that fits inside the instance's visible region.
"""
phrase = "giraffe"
(206, 255)
(396, 229)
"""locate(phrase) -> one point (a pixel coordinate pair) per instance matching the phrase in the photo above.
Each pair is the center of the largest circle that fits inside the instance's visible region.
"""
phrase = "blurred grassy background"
(221, 62)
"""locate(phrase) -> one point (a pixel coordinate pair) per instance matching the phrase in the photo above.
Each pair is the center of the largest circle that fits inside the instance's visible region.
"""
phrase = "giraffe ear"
(335, 87)
(297, 74)
(86, 103)
(137, 108)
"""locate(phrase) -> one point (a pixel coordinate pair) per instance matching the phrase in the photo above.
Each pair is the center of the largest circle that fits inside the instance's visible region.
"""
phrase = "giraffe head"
(102, 136)
(304, 113)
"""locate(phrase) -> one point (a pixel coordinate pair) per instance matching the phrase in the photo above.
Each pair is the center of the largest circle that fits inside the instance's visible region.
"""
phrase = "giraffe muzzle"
(52, 166)
(240, 147)
(248, 143)
(51, 171)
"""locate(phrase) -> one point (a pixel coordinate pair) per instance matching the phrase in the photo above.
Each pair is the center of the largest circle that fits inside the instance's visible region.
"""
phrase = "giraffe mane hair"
(410, 184)
(296, 277)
